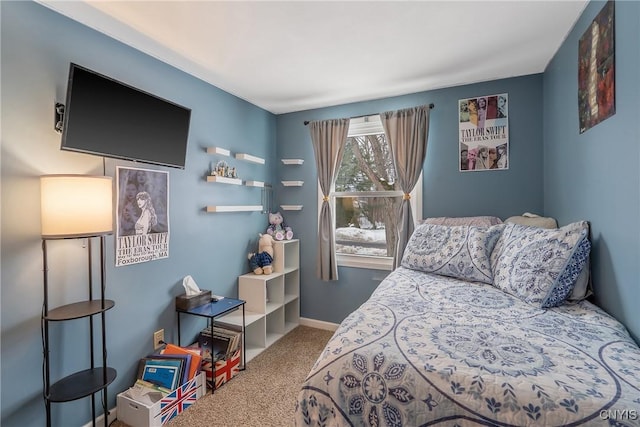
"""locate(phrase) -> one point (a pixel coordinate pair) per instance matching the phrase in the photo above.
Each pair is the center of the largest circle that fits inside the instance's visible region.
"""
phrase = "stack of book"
(159, 374)
(218, 343)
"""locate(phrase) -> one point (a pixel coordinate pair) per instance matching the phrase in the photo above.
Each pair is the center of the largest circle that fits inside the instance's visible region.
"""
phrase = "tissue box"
(225, 370)
(184, 302)
(139, 415)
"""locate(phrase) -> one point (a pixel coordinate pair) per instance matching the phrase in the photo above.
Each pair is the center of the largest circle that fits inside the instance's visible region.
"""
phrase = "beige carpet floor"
(264, 394)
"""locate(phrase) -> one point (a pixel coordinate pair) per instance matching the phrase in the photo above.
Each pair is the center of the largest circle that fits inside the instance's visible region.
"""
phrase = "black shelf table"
(81, 384)
(213, 310)
(96, 378)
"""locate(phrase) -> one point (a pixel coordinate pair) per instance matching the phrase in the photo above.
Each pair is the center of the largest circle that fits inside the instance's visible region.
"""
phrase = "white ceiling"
(289, 56)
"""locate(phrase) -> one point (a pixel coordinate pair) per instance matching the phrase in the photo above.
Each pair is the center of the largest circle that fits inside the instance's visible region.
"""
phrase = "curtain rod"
(306, 122)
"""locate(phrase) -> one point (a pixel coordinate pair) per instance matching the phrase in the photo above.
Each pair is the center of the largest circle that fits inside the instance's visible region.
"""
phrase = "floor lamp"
(73, 207)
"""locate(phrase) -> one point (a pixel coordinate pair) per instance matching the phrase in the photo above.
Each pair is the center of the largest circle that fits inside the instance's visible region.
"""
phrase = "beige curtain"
(328, 138)
(407, 131)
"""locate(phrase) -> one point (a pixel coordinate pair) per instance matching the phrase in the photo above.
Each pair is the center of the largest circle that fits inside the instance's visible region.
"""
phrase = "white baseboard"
(319, 324)
(100, 420)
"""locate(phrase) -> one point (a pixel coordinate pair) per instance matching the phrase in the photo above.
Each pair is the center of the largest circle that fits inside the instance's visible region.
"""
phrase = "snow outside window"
(366, 198)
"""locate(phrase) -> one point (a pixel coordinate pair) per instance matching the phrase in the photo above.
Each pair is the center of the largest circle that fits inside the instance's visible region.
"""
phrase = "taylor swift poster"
(142, 215)
(483, 124)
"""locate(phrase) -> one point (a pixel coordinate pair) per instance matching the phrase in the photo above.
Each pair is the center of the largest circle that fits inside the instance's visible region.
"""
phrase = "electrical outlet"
(158, 339)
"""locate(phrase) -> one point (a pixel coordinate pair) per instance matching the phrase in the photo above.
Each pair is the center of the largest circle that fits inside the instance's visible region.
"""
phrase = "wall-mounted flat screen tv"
(109, 118)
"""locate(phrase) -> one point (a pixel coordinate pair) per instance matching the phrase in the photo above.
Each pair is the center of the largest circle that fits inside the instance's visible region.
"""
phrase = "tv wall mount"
(58, 117)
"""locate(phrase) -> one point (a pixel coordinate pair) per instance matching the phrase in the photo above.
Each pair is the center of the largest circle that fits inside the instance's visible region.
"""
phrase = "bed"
(478, 327)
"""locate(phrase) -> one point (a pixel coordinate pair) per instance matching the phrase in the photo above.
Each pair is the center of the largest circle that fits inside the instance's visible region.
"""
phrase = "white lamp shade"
(76, 205)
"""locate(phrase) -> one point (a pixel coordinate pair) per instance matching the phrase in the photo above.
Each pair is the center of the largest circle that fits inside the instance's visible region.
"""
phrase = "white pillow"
(533, 220)
(582, 288)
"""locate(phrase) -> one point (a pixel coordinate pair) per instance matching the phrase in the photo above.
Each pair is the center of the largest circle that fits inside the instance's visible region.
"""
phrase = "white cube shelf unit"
(272, 300)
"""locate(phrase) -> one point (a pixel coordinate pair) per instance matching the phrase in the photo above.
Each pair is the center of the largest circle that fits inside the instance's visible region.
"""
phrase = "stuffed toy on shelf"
(277, 228)
(260, 262)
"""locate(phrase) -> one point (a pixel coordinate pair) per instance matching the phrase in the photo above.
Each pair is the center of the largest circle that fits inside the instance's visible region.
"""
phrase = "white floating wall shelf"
(234, 208)
(224, 180)
(293, 161)
(254, 183)
(218, 150)
(292, 183)
(249, 158)
(291, 207)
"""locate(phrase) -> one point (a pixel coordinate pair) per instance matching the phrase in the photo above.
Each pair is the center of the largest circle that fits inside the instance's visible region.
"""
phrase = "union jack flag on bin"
(225, 369)
(179, 400)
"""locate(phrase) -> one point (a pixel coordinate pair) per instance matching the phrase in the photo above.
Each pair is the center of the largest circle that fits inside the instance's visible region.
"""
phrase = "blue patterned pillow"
(540, 266)
(456, 251)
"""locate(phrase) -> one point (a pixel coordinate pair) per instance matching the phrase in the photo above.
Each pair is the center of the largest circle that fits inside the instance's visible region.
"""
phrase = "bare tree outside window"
(367, 197)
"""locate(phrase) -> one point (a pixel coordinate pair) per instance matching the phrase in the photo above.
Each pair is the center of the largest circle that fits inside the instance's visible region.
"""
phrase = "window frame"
(357, 127)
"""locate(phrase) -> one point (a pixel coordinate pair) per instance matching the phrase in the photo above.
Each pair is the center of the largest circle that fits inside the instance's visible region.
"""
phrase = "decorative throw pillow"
(460, 251)
(533, 220)
(569, 277)
(582, 288)
(540, 266)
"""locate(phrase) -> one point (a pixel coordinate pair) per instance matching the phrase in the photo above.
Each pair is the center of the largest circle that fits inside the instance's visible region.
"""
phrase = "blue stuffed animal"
(260, 262)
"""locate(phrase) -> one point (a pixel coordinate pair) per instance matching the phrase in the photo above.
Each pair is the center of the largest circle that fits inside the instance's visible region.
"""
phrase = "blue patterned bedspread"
(426, 349)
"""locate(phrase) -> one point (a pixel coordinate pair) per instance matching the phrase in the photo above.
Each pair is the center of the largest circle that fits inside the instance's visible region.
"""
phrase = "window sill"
(361, 261)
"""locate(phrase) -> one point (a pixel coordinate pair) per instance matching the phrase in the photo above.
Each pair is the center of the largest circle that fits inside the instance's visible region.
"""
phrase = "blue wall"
(446, 192)
(595, 175)
(37, 47)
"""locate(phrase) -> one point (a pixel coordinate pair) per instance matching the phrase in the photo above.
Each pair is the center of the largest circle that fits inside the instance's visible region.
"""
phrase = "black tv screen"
(109, 118)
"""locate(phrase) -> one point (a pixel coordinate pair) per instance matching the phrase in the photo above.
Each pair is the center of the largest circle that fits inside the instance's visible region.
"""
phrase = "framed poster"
(483, 124)
(142, 215)
(596, 70)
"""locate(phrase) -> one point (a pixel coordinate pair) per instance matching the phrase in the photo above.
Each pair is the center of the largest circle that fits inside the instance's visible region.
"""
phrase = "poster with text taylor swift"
(142, 215)
(483, 124)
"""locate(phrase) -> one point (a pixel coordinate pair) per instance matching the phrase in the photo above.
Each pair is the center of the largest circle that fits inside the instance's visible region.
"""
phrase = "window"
(366, 198)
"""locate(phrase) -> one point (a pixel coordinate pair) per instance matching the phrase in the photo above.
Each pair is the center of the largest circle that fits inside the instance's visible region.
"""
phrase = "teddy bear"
(277, 228)
(260, 262)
